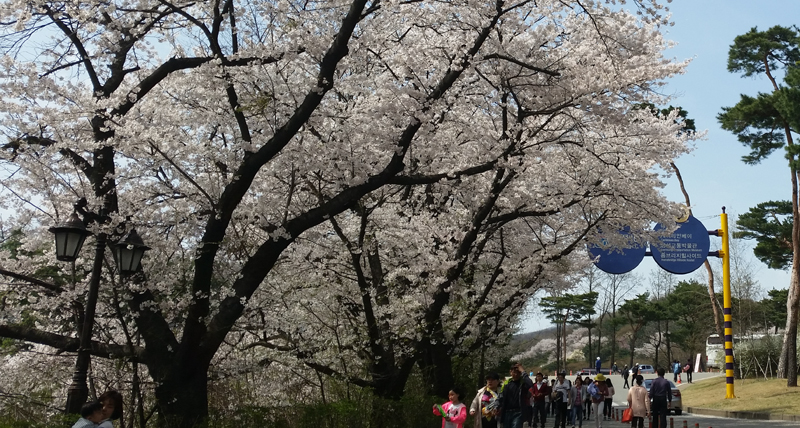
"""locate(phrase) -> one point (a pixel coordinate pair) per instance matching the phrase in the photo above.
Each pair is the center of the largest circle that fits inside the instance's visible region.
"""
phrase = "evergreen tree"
(765, 123)
(567, 309)
(770, 224)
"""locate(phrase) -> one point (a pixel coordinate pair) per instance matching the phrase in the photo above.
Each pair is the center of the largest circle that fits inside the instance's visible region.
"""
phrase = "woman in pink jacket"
(455, 412)
(638, 402)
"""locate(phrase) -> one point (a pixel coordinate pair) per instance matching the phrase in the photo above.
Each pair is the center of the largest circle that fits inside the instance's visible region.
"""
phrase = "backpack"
(594, 392)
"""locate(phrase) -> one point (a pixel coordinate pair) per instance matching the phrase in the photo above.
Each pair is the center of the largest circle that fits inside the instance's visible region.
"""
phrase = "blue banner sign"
(616, 260)
(684, 250)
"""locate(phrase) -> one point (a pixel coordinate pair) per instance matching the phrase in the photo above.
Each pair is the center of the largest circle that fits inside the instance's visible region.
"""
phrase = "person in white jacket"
(483, 405)
(562, 398)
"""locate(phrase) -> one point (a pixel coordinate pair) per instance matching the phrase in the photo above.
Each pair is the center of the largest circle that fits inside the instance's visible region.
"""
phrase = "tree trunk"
(599, 337)
(787, 365)
(183, 397)
(564, 343)
(658, 344)
(668, 344)
(558, 345)
(589, 357)
(714, 301)
(614, 321)
(437, 370)
(633, 345)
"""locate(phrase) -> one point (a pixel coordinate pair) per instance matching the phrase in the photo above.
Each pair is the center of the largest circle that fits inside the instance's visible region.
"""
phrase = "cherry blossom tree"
(354, 186)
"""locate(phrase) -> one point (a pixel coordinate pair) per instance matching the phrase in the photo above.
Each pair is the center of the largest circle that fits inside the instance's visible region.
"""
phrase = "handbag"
(627, 415)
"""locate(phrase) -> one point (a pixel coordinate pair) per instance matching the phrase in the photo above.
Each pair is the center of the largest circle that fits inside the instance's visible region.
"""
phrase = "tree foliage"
(774, 307)
(686, 305)
(770, 224)
(761, 122)
(349, 188)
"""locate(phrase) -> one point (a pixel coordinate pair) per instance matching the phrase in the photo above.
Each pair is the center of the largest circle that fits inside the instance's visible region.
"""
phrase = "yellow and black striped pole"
(726, 307)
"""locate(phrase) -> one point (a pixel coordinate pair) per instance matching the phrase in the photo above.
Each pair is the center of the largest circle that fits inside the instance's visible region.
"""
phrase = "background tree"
(564, 310)
(613, 291)
(765, 123)
(639, 312)
(658, 331)
(690, 328)
(774, 307)
(770, 224)
(662, 283)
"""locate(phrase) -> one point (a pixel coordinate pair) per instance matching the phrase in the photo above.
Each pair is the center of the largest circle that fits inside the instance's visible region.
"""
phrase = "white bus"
(715, 348)
(715, 352)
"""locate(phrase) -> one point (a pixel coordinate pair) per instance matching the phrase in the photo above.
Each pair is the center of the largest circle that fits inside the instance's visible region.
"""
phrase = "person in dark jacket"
(689, 370)
(515, 400)
(625, 374)
(661, 396)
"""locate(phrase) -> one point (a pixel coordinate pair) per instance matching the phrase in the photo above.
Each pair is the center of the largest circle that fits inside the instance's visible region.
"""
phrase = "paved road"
(700, 420)
(621, 394)
(620, 402)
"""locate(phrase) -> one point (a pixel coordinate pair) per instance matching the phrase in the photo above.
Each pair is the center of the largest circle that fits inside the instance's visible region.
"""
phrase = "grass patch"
(752, 395)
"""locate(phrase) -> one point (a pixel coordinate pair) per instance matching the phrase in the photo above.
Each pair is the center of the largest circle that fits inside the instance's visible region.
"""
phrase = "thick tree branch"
(54, 289)
(522, 64)
(71, 344)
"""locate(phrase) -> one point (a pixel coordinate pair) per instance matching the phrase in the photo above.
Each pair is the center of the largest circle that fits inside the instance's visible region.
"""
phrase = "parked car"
(644, 369)
(587, 372)
(677, 405)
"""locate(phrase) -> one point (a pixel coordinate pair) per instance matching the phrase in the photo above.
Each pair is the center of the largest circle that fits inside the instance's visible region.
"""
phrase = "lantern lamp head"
(70, 236)
(129, 251)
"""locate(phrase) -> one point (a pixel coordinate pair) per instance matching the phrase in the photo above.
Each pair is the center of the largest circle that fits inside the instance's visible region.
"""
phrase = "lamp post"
(482, 330)
(69, 239)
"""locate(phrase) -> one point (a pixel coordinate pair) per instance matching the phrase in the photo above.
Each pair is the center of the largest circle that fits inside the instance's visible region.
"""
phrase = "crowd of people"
(522, 400)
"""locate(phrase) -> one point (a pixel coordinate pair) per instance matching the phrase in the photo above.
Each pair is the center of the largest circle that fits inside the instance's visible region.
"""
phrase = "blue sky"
(713, 173)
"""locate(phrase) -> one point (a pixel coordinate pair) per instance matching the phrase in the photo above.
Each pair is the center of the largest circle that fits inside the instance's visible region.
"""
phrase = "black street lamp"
(129, 251)
(69, 238)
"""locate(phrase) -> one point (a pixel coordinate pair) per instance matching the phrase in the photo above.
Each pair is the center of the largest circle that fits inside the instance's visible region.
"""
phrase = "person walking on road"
(561, 398)
(638, 402)
(598, 398)
(625, 375)
(578, 396)
(676, 370)
(597, 365)
(587, 401)
(485, 402)
(608, 404)
(661, 394)
(689, 369)
(515, 400)
(539, 392)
